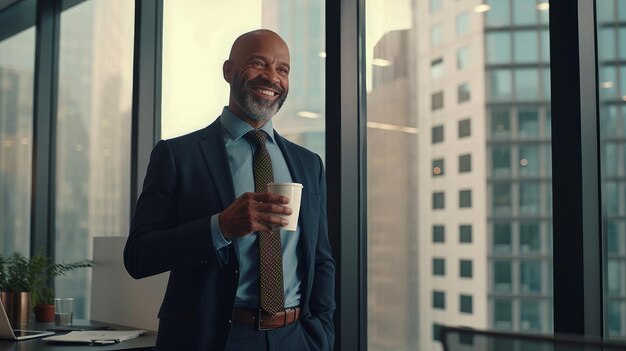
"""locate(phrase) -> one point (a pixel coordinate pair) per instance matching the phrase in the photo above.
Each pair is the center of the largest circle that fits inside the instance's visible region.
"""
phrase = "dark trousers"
(244, 337)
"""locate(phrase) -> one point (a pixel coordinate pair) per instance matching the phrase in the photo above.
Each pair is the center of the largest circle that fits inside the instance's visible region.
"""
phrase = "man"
(200, 217)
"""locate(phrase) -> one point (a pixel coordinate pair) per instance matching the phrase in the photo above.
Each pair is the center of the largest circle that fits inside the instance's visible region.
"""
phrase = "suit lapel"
(297, 170)
(215, 157)
(214, 151)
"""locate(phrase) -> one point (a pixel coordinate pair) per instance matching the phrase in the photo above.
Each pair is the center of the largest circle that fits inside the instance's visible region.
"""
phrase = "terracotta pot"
(44, 313)
(17, 305)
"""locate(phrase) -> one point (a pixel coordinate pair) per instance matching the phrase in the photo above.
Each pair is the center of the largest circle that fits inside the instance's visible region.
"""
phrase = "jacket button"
(230, 322)
(236, 271)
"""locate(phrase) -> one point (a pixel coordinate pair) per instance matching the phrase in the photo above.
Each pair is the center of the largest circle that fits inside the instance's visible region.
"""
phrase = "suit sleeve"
(322, 304)
(157, 242)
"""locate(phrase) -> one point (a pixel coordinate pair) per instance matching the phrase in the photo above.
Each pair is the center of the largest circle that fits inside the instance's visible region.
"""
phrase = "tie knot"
(257, 136)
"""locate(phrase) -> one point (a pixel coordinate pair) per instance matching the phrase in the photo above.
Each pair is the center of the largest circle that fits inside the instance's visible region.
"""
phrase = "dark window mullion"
(146, 115)
(576, 211)
(45, 100)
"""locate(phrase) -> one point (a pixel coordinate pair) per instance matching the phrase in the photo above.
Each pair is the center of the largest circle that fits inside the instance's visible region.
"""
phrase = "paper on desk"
(95, 336)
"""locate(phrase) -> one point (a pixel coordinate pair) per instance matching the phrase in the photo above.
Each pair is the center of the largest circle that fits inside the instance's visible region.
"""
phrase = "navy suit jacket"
(188, 180)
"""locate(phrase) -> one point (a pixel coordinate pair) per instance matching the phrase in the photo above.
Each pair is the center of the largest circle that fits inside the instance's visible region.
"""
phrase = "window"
(524, 12)
(498, 14)
(530, 276)
(501, 198)
(501, 160)
(438, 200)
(435, 5)
(93, 143)
(465, 163)
(465, 198)
(462, 23)
(502, 237)
(437, 134)
(502, 276)
(436, 100)
(526, 84)
(439, 299)
(529, 163)
(462, 58)
(439, 266)
(198, 35)
(528, 120)
(436, 68)
(503, 314)
(437, 169)
(463, 92)
(500, 85)
(530, 311)
(478, 167)
(439, 233)
(465, 268)
(500, 124)
(436, 332)
(465, 129)
(465, 233)
(530, 198)
(465, 304)
(436, 36)
(17, 60)
(498, 44)
(613, 231)
(526, 46)
(530, 237)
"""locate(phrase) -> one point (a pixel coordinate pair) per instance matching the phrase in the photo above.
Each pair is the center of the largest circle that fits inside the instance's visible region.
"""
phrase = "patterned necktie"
(271, 291)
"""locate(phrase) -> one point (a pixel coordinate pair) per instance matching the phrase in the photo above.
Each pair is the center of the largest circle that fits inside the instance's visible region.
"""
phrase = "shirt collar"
(237, 128)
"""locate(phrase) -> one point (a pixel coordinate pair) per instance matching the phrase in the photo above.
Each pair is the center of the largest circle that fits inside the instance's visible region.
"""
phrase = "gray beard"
(259, 111)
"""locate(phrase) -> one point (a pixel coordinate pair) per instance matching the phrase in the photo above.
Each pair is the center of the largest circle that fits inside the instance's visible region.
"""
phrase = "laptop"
(8, 333)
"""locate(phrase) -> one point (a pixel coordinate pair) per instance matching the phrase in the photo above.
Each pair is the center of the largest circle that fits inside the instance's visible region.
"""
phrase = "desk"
(144, 342)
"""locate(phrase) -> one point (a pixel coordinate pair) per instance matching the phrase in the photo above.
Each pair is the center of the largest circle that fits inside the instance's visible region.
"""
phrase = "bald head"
(263, 37)
(258, 73)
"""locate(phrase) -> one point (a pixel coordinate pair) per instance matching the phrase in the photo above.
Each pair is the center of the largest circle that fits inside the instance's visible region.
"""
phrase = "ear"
(227, 70)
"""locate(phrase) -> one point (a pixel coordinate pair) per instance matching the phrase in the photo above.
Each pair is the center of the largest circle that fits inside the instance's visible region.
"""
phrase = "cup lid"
(285, 183)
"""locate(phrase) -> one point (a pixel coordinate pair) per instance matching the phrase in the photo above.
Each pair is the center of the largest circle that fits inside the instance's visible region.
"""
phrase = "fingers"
(270, 222)
(273, 208)
(270, 197)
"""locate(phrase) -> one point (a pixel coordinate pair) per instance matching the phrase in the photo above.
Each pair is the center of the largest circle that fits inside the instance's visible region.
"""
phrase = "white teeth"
(266, 92)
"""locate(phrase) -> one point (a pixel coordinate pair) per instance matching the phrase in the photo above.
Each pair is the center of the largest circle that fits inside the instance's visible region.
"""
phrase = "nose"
(272, 74)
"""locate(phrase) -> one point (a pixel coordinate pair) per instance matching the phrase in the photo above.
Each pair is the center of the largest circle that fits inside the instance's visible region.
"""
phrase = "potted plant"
(28, 279)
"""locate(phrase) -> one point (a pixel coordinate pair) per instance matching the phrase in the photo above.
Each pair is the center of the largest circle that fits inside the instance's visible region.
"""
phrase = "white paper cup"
(294, 192)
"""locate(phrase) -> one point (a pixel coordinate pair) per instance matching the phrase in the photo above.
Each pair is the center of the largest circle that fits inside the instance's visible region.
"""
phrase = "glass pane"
(526, 46)
(93, 135)
(498, 47)
(612, 120)
(498, 14)
(17, 64)
(494, 193)
(197, 37)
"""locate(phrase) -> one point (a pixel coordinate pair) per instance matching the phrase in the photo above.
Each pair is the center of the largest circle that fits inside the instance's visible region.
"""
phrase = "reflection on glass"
(498, 189)
(197, 36)
(93, 135)
(611, 16)
(17, 61)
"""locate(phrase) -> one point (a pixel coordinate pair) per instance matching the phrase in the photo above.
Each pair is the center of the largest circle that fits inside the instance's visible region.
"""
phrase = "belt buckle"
(258, 322)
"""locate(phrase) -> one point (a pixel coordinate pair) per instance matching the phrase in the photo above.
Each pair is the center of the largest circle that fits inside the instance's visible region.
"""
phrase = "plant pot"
(44, 313)
(17, 305)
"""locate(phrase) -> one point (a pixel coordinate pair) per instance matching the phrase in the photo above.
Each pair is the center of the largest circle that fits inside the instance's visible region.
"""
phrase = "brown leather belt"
(265, 321)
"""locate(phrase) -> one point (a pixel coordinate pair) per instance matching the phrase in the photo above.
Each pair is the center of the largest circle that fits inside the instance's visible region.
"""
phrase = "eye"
(284, 70)
(257, 64)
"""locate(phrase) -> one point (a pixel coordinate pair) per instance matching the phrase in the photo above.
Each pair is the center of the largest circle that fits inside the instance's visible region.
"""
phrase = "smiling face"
(258, 74)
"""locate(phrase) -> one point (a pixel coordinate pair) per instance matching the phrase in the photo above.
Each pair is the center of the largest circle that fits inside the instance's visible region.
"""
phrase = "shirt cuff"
(219, 242)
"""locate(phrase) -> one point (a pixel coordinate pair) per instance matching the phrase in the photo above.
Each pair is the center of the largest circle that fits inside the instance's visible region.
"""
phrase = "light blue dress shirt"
(240, 152)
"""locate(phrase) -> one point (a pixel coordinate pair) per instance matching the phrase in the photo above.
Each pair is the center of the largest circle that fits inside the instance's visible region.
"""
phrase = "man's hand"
(253, 212)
